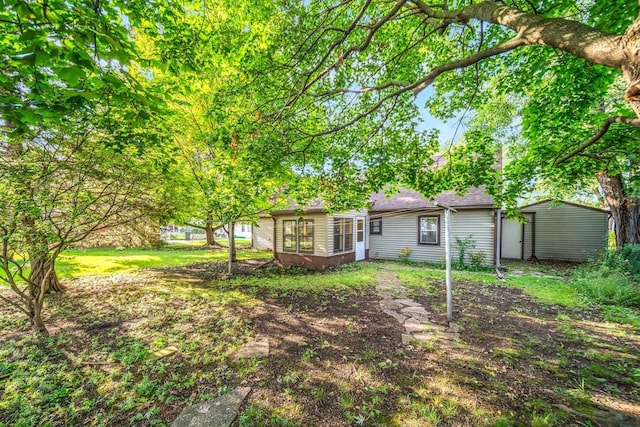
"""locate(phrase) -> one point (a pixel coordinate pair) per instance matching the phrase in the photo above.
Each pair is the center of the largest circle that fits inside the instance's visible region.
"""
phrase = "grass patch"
(341, 281)
(546, 290)
(101, 262)
(203, 243)
(99, 367)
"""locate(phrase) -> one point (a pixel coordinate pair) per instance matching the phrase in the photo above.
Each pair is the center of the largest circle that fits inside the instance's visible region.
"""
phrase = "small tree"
(59, 186)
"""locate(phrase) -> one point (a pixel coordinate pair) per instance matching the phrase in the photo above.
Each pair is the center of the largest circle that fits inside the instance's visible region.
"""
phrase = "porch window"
(290, 236)
(429, 230)
(305, 236)
(342, 234)
(375, 226)
(297, 236)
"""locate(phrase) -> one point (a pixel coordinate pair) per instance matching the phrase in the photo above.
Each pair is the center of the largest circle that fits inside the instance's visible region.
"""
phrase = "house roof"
(407, 199)
(475, 197)
(313, 207)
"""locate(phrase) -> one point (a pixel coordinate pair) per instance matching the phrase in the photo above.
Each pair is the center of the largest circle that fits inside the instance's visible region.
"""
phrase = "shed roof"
(532, 205)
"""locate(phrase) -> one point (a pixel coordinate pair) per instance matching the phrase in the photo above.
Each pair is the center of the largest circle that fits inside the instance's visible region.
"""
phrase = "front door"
(360, 244)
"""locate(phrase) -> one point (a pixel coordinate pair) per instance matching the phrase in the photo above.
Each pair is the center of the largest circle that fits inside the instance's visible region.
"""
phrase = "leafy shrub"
(625, 260)
(615, 289)
(463, 247)
(614, 281)
(478, 260)
(405, 254)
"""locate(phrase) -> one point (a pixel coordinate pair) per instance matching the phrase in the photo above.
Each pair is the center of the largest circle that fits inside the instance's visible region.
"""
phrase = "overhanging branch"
(468, 61)
(631, 121)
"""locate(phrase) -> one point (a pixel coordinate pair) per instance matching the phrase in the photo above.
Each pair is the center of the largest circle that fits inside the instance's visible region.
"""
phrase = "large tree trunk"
(210, 232)
(43, 274)
(624, 209)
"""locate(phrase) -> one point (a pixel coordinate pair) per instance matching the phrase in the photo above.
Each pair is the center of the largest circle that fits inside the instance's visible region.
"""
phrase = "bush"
(625, 260)
(613, 281)
(615, 289)
(478, 260)
(405, 255)
(463, 246)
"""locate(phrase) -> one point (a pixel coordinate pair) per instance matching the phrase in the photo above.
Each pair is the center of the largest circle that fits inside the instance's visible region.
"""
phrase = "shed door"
(511, 239)
(360, 244)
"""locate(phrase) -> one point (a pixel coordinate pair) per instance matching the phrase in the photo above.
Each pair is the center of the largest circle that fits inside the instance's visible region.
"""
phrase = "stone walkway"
(419, 329)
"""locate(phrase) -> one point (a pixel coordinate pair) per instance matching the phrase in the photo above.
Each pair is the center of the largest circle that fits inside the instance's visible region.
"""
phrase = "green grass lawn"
(198, 243)
(547, 290)
(76, 263)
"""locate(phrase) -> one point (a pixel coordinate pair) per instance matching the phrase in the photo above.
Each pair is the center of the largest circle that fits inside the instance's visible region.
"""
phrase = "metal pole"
(447, 255)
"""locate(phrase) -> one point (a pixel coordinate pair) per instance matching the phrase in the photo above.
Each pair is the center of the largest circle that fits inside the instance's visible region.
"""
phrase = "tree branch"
(631, 121)
(465, 62)
(570, 36)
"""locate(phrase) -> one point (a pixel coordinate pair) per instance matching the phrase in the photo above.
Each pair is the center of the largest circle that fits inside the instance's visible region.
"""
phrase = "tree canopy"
(567, 72)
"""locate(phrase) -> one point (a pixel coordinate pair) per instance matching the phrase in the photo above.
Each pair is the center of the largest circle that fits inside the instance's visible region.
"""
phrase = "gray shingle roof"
(405, 199)
(475, 197)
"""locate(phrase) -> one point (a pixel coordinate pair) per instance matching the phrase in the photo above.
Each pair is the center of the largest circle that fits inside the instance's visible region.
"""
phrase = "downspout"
(497, 243)
(275, 254)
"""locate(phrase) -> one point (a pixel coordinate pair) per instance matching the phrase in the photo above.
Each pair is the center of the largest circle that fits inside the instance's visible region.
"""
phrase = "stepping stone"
(448, 336)
(413, 325)
(408, 302)
(218, 412)
(390, 304)
(165, 352)
(399, 317)
(407, 339)
(258, 348)
(448, 345)
(416, 312)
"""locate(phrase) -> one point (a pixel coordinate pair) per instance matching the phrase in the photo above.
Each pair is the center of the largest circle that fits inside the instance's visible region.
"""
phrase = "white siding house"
(407, 223)
(400, 232)
(312, 238)
(397, 225)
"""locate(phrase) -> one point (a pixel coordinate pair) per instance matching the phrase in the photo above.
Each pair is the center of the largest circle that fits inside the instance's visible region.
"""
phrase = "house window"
(297, 236)
(429, 230)
(348, 234)
(359, 230)
(375, 226)
(342, 234)
(305, 236)
(290, 236)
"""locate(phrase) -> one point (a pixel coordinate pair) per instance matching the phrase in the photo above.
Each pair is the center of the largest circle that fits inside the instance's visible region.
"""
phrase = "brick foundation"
(315, 262)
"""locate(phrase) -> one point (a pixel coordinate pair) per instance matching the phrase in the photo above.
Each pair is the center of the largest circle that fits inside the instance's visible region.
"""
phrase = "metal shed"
(561, 231)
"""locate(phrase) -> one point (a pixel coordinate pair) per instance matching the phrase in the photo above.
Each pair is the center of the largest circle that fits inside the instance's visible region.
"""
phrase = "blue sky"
(447, 128)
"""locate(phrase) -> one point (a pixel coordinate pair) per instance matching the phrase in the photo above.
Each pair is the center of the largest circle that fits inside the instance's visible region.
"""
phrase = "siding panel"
(401, 231)
(568, 232)
(528, 236)
(262, 236)
(319, 232)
